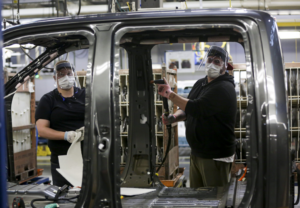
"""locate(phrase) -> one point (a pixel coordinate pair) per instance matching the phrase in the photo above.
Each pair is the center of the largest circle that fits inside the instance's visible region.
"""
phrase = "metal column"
(3, 175)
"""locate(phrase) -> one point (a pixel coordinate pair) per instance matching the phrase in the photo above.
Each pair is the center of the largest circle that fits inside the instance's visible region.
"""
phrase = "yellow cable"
(230, 3)
(186, 5)
(223, 45)
(296, 50)
(296, 47)
(206, 46)
(128, 6)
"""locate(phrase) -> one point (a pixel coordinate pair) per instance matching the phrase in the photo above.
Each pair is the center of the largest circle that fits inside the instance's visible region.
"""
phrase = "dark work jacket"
(211, 112)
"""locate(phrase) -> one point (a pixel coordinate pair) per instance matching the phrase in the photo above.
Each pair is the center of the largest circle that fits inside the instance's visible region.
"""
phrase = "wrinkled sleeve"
(214, 101)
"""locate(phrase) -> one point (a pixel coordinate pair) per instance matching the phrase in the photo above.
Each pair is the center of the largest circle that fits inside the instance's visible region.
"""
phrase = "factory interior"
(161, 114)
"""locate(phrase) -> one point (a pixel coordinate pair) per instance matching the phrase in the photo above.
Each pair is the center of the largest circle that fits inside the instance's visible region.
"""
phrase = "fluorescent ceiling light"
(289, 34)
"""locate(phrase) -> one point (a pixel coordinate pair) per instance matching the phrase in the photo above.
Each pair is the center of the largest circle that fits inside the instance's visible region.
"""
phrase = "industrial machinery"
(269, 178)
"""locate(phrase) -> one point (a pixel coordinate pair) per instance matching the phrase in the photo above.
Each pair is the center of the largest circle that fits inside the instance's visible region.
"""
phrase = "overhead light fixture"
(289, 34)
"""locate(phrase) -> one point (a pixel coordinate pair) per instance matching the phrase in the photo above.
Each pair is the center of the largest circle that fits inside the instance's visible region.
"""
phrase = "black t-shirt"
(64, 114)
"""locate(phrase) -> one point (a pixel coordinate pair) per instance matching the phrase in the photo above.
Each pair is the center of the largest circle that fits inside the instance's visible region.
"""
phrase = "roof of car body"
(135, 16)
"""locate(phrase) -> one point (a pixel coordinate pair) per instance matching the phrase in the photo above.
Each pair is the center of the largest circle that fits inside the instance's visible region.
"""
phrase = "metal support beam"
(3, 173)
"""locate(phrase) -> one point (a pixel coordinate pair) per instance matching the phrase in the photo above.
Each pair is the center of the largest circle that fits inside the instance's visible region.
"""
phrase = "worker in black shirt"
(59, 114)
(209, 112)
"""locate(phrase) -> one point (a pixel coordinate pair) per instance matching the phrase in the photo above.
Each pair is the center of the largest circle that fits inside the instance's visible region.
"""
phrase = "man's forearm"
(52, 134)
(178, 100)
(180, 115)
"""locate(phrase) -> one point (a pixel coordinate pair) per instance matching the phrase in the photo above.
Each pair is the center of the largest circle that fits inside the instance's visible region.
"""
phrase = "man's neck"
(66, 93)
(209, 79)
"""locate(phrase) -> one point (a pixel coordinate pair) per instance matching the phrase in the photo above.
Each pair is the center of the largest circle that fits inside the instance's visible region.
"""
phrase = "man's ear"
(54, 77)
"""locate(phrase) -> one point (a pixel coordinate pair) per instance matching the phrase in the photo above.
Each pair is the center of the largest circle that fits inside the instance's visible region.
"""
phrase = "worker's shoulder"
(226, 88)
(201, 79)
(226, 81)
(50, 95)
(80, 91)
(200, 82)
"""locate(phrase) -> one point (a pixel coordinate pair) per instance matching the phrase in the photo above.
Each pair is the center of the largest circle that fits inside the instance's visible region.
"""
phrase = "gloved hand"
(72, 136)
(168, 120)
(82, 133)
(164, 89)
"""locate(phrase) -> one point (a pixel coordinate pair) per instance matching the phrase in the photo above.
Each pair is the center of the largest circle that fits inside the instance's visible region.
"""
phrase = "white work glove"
(81, 130)
(72, 136)
(164, 89)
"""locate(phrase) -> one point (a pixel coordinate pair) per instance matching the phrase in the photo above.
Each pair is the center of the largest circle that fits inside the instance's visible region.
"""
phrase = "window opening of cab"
(53, 93)
(178, 59)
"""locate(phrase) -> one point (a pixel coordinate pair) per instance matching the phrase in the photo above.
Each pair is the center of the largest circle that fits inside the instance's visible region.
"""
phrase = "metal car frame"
(268, 154)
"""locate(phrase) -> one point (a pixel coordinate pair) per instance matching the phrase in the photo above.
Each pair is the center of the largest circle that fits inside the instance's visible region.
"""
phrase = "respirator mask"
(66, 82)
(65, 76)
(213, 69)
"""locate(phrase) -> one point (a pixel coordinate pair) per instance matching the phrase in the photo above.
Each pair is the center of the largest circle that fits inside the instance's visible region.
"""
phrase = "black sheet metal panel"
(103, 188)
(268, 156)
(140, 166)
(10, 147)
(278, 170)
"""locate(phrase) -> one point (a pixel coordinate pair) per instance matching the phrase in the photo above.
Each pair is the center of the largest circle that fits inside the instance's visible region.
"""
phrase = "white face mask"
(212, 70)
(66, 82)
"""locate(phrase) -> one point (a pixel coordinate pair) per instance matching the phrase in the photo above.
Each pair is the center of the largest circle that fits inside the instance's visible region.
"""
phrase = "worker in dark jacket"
(209, 112)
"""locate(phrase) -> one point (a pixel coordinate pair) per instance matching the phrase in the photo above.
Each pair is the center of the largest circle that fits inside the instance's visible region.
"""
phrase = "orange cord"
(243, 176)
